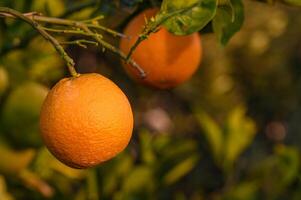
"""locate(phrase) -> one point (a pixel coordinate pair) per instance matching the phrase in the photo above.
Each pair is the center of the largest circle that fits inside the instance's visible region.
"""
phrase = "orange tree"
(86, 119)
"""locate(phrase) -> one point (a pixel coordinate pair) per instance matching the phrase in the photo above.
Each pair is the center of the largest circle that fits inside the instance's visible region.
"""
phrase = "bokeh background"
(232, 132)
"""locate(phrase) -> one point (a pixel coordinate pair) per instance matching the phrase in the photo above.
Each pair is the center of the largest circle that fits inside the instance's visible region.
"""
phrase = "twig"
(153, 25)
(82, 29)
(85, 30)
(30, 35)
(66, 31)
(112, 32)
(29, 14)
(52, 40)
(113, 49)
(95, 19)
(81, 43)
(66, 22)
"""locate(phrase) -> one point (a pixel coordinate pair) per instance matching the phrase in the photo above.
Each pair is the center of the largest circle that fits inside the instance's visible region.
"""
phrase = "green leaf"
(213, 133)
(293, 2)
(181, 170)
(242, 191)
(187, 16)
(288, 160)
(278, 171)
(139, 179)
(178, 148)
(52, 7)
(228, 20)
(12, 162)
(114, 171)
(240, 133)
(147, 153)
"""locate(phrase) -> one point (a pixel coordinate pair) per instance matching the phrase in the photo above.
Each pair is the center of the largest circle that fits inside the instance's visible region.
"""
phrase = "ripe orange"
(168, 60)
(86, 120)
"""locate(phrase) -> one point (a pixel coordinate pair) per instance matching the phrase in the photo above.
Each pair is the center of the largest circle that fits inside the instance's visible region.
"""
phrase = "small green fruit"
(20, 117)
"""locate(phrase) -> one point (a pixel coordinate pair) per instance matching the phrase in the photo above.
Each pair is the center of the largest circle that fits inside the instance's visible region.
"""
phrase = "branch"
(113, 49)
(80, 28)
(85, 30)
(68, 22)
(52, 40)
(31, 34)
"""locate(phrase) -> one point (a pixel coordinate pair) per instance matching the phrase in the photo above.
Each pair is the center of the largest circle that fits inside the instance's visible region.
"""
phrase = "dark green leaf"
(228, 20)
(186, 17)
(213, 133)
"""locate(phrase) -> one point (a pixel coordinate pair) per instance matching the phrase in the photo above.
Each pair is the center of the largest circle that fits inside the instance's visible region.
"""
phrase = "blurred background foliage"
(230, 133)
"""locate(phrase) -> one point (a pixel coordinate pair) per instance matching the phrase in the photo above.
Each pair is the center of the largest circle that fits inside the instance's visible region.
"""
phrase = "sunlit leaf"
(44, 62)
(12, 162)
(213, 133)
(181, 170)
(83, 14)
(242, 191)
(160, 142)
(4, 80)
(293, 2)
(45, 164)
(178, 148)
(139, 179)
(50, 7)
(240, 133)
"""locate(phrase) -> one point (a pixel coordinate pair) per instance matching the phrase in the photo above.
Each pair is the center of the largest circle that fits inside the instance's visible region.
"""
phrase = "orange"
(168, 60)
(86, 120)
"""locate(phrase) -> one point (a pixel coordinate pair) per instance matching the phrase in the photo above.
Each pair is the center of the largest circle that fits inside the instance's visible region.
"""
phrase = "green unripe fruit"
(20, 117)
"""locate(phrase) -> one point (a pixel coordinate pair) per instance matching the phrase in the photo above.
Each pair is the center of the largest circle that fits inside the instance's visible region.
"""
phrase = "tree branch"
(72, 9)
(77, 27)
(113, 49)
(52, 40)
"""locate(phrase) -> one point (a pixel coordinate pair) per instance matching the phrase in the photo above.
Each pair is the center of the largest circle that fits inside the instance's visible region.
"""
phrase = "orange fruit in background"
(86, 120)
(168, 60)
